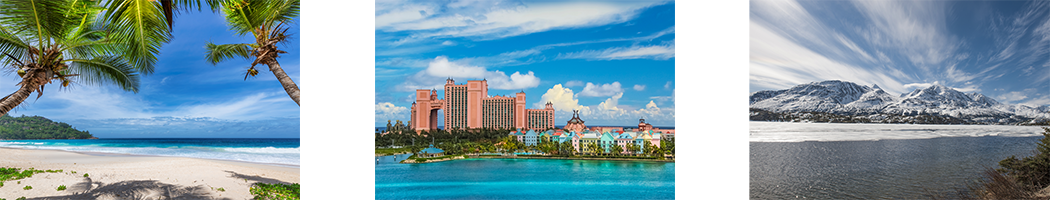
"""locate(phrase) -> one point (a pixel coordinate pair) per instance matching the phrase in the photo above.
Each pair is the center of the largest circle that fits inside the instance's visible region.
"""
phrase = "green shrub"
(1031, 172)
(419, 160)
(85, 175)
(28, 188)
(61, 187)
(275, 191)
(21, 198)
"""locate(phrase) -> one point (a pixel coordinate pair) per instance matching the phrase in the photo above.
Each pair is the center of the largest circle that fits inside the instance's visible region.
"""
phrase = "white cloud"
(498, 19)
(668, 85)
(611, 103)
(605, 113)
(656, 52)
(639, 87)
(561, 98)
(441, 68)
(448, 43)
(608, 89)
(574, 83)
(651, 105)
(1013, 96)
(387, 110)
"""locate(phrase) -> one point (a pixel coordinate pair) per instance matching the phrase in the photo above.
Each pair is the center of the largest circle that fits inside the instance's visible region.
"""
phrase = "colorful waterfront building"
(470, 106)
(530, 138)
(587, 138)
(623, 139)
(607, 141)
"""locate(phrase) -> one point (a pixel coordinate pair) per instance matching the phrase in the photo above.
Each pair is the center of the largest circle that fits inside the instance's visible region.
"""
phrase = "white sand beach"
(135, 177)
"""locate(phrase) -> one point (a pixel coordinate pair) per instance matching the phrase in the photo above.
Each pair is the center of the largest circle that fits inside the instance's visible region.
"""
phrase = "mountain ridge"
(843, 98)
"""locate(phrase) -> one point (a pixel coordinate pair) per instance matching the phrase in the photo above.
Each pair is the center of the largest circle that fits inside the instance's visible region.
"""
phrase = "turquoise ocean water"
(524, 179)
(274, 151)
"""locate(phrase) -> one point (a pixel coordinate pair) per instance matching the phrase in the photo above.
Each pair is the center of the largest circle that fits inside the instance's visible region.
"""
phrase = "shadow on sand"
(259, 179)
(134, 189)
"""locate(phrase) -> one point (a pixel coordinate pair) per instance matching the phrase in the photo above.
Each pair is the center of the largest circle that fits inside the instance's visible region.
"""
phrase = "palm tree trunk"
(289, 85)
(10, 101)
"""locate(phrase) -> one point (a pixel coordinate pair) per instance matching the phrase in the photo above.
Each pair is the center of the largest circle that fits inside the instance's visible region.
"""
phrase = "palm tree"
(265, 20)
(632, 148)
(60, 40)
(594, 148)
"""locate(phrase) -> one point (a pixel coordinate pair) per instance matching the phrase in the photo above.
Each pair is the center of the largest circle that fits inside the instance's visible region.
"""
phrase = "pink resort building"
(469, 106)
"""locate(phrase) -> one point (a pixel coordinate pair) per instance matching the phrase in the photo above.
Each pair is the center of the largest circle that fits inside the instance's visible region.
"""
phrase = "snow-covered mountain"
(847, 98)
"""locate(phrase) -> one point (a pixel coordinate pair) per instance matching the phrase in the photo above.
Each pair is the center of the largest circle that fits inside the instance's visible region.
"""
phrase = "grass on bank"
(392, 151)
(421, 160)
(275, 191)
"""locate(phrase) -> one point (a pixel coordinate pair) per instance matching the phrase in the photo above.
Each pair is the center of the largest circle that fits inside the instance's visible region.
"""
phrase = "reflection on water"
(875, 169)
(394, 159)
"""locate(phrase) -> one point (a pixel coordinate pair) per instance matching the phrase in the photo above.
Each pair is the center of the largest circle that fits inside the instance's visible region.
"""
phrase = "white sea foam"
(287, 156)
(264, 150)
(798, 132)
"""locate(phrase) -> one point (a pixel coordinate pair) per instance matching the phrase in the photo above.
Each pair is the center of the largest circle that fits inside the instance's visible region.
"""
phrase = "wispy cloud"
(777, 62)
(498, 19)
(656, 52)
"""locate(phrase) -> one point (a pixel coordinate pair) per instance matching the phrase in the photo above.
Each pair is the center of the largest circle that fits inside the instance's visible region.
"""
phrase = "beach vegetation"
(21, 198)
(68, 41)
(85, 175)
(275, 191)
(7, 174)
(37, 127)
(61, 187)
(267, 21)
(27, 187)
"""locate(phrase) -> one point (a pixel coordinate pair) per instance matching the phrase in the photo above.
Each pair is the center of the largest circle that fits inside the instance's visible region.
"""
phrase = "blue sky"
(185, 97)
(614, 61)
(997, 48)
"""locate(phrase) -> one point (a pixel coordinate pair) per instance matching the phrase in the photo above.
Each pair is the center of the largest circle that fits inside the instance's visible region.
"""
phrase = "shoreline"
(118, 176)
(570, 158)
(106, 154)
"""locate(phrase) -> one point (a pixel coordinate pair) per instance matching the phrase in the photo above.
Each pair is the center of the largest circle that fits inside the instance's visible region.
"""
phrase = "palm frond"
(222, 52)
(245, 16)
(141, 25)
(45, 19)
(12, 45)
(107, 69)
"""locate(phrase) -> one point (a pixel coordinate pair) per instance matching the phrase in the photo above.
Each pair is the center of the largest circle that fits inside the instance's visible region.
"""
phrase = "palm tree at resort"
(61, 42)
(267, 21)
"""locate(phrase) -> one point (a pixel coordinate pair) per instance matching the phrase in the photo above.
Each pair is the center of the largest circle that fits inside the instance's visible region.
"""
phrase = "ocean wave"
(263, 150)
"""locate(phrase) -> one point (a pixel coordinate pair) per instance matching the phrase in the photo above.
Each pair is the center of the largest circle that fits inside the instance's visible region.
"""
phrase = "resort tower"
(469, 106)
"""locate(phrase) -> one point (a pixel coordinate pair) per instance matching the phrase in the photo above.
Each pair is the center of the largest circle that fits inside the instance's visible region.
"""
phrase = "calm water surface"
(899, 169)
(524, 179)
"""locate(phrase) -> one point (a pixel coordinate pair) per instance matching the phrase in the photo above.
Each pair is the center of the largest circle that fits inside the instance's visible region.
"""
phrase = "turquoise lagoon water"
(524, 179)
(267, 150)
